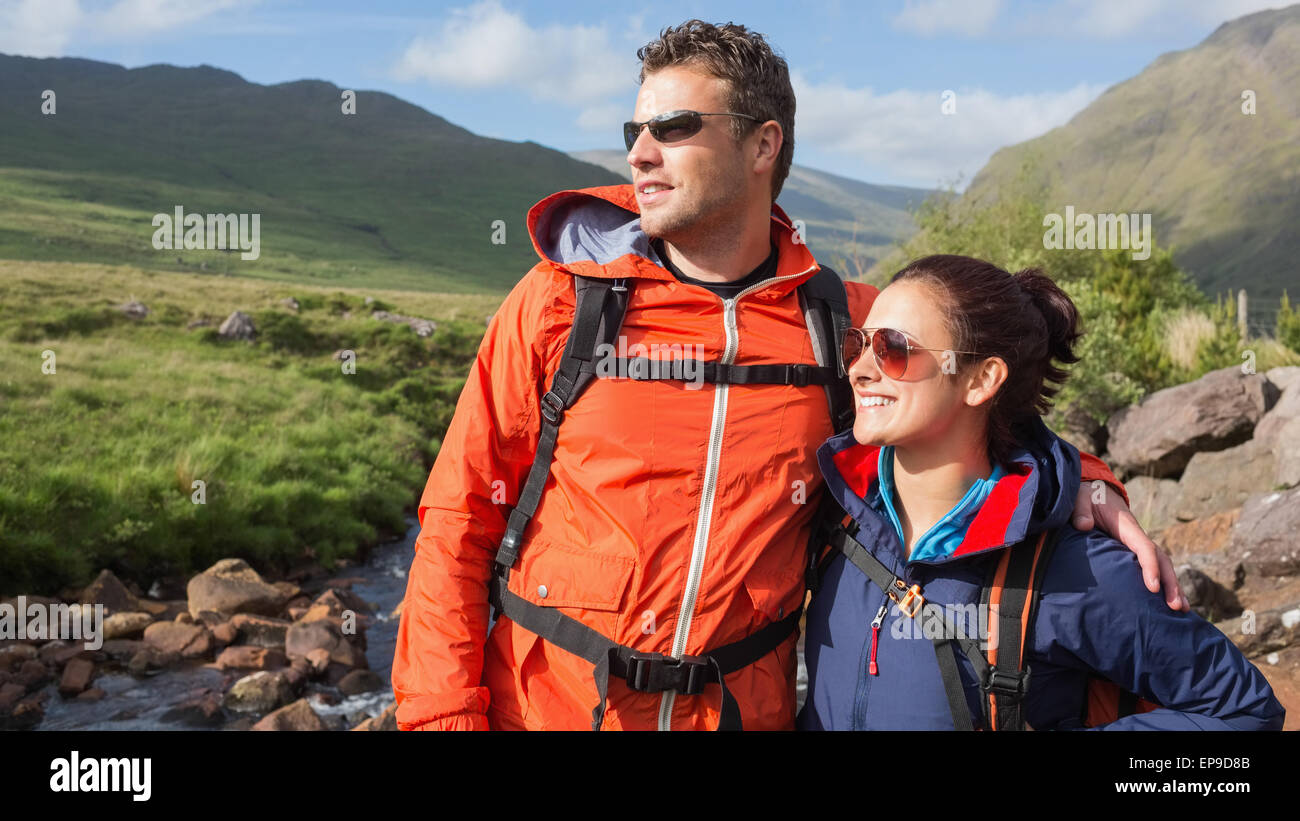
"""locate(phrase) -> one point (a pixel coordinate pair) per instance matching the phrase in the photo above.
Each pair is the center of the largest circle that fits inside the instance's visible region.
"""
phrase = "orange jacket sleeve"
(484, 458)
(1093, 469)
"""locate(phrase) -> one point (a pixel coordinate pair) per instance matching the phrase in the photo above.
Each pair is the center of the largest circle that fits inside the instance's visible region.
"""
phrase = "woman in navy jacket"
(947, 466)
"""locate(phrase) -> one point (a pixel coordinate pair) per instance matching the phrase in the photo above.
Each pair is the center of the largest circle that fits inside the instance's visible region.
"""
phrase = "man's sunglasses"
(673, 126)
(891, 349)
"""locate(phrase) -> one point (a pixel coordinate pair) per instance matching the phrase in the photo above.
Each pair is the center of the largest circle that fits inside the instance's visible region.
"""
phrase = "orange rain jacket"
(676, 519)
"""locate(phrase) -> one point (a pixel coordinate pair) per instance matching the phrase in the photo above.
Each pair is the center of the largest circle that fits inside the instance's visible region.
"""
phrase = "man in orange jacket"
(668, 550)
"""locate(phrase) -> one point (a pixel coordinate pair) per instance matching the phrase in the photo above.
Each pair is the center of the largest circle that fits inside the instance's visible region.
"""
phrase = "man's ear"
(984, 380)
(767, 147)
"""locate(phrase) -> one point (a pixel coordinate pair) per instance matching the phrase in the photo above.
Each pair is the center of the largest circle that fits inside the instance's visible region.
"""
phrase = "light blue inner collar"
(947, 534)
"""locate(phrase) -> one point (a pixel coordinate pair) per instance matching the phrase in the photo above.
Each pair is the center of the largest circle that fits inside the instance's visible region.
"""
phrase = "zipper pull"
(872, 668)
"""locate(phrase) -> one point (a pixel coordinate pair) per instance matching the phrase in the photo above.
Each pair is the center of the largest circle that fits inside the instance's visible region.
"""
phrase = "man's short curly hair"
(758, 78)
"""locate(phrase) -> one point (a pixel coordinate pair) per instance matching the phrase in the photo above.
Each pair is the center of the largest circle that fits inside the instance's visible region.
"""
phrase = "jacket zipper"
(700, 546)
(872, 668)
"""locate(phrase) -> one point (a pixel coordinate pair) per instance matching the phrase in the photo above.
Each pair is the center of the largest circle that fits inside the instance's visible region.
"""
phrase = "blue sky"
(868, 76)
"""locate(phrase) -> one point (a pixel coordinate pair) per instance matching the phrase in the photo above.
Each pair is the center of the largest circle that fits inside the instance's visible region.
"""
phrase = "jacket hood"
(1037, 493)
(596, 232)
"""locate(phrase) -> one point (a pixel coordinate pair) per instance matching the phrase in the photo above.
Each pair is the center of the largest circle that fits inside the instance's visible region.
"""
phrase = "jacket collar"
(596, 232)
(1037, 493)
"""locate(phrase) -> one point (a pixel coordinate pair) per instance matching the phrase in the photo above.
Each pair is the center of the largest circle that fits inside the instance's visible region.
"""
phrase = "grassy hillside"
(100, 456)
(1223, 186)
(392, 196)
(850, 224)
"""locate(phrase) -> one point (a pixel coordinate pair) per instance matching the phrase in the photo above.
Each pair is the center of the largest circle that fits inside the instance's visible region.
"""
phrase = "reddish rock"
(319, 659)
(225, 633)
(298, 716)
(93, 694)
(122, 649)
(1209, 534)
(188, 640)
(77, 675)
(246, 657)
(13, 656)
(150, 658)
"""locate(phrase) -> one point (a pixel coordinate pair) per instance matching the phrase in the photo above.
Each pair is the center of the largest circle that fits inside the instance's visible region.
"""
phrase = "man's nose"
(645, 151)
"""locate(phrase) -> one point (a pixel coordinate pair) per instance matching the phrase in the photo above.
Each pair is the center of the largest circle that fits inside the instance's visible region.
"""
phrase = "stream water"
(132, 703)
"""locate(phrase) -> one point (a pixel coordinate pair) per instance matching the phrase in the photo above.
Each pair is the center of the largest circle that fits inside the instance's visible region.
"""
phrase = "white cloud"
(930, 17)
(47, 28)
(1107, 19)
(905, 132)
(486, 46)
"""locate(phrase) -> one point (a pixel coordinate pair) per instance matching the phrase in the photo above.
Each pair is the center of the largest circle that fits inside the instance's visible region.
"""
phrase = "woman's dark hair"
(1024, 318)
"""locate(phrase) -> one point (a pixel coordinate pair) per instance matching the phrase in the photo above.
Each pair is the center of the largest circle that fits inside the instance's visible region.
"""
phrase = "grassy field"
(98, 458)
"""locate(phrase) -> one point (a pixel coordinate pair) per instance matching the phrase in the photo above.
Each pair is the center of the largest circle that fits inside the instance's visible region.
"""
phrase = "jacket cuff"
(459, 710)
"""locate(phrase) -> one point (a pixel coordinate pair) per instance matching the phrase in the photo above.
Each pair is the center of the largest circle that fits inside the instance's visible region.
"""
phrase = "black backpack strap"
(597, 318)
(1019, 576)
(825, 304)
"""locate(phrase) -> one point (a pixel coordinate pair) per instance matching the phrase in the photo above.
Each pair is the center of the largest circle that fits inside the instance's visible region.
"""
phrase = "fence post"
(1242, 324)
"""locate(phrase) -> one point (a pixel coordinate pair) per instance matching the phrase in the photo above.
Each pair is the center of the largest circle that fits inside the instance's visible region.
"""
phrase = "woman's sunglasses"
(890, 347)
(673, 126)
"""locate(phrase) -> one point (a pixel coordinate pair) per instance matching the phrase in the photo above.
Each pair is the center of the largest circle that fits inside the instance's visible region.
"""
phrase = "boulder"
(200, 710)
(77, 675)
(107, 589)
(1284, 376)
(1158, 436)
(323, 634)
(360, 681)
(385, 721)
(133, 310)
(238, 325)
(1265, 537)
(1153, 501)
(187, 640)
(1207, 535)
(122, 649)
(93, 694)
(230, 586)
(298, 716)
(1208, 598)
(225, 633)
(245, 657)
(126, 625)
(422, 327)
(10, 692)
(1286, 409)
(260, 692)
(1222, 480)
(150, 659)
(1286, 449)
(262, 631)
(1264, 631)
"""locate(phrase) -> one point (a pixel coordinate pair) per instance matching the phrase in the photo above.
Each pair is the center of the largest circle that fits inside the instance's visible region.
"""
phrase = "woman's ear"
(985, 379)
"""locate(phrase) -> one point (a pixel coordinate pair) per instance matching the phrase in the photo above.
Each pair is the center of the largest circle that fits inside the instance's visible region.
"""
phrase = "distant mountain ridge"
(849, 223)
(1223, 186)
(393, 194)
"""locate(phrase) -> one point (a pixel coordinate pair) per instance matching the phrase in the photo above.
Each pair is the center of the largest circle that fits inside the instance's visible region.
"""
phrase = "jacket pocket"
(552, 575)
(775, 595)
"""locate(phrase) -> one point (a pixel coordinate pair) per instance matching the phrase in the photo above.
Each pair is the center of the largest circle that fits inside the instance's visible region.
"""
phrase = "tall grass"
(99, 460)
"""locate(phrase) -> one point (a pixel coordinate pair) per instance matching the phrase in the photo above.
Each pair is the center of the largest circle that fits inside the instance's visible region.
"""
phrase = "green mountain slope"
(392, 196)
(849, 224)
(1223, 187)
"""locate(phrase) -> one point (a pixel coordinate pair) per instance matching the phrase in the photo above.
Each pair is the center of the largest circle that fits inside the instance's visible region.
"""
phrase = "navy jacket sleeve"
(1097, 615)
